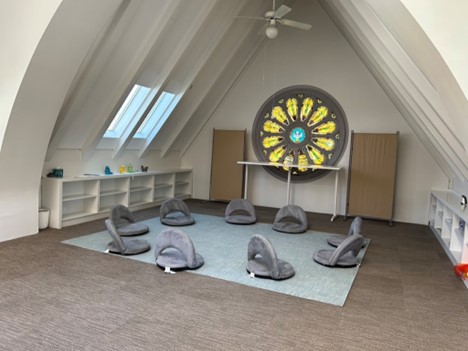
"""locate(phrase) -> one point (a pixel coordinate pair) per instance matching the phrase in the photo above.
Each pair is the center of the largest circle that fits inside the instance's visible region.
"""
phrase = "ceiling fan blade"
(282, 10)
(295, 24)
(251, 17)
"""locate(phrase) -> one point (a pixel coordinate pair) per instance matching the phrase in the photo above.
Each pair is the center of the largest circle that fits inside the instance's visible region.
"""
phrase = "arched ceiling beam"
(411, 92)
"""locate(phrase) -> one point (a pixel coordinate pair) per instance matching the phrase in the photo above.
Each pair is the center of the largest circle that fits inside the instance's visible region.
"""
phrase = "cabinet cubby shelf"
(78, 197)
(84, 198)
(140, 188)
(447, 221)
(76, 215)
(112, 192)
(162, 186)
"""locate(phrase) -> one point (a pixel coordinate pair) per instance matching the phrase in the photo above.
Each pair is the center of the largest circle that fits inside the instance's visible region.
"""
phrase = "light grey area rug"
(224, 249)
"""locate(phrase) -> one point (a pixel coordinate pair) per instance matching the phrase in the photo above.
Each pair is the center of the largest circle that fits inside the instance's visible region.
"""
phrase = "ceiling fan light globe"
(271, 32)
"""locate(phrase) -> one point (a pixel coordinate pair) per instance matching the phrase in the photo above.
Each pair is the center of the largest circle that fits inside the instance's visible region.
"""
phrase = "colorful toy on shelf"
(107, 170)
(144, 169)
(130, 168)
(122, 169)
(461, 270)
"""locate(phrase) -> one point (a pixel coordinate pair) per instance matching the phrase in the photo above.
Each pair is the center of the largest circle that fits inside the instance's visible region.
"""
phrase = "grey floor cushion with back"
(290, 219)
(174, 249)
(240, 211)
(124, 246)
(262, 260)
(175, 212)
(345, 255)
(125, 222)
(355, 228)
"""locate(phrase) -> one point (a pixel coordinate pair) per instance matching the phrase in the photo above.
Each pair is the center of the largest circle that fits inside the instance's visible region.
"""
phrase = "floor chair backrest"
(120, 214)
(173, 205)
(176, 239)
(260, 245)
(352, 244)
(355, 227)
(115, 236)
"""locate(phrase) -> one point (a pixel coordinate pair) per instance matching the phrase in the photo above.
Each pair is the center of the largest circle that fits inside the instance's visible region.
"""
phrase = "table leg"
(246, 181)
(336, 197)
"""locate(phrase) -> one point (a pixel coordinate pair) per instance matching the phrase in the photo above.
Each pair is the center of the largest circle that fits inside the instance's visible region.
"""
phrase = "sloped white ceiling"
(411, 72)
(198, 46)
(156, 43)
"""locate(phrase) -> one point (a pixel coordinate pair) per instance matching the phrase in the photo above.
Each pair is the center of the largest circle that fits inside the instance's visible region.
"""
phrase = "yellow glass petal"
(302, 161)
(324, 143)
(271, 141)
(277, 153)
(291, 103)
(307, 105)
(280, 115)
(325, 128)
(272, 127)
(315, 155)
(318, 116)
(288, 160)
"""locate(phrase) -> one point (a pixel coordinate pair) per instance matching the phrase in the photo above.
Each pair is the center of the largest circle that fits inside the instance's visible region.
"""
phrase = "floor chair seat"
(345, 255)
(355, 228)
(175, 212)
(290, 219)
(174, 249)
(125, 222)
(124, 246)
(240, 211)
(263, 261)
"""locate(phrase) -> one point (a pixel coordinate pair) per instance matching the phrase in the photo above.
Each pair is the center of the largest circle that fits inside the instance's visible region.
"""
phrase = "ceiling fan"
(276, 16)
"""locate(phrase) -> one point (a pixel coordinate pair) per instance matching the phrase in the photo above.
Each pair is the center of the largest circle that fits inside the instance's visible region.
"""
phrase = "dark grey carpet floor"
(60, 297)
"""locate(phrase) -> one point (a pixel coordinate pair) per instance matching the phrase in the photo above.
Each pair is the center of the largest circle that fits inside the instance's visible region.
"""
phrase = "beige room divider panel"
(227, 177)
(371, 176)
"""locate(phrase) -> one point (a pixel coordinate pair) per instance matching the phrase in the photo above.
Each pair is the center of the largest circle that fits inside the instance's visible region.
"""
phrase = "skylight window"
(134, 103)
(158, 114)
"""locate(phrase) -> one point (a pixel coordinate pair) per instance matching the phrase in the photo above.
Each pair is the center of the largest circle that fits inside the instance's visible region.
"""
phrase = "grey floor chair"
(355, 228)
(345, 255)
(240, 211)
(175, 212)
(124, 246)
(290, 219)
(263, 262)
(125, 221)
(174, 249)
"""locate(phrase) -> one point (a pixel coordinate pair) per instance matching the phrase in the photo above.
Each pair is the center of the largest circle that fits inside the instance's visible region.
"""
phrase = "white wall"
(26, 22)
(47, 77)
(322, 58)
(73, 164)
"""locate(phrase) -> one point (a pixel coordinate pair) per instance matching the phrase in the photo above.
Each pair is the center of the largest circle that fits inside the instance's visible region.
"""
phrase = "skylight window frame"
(158, 115)
(132, 108)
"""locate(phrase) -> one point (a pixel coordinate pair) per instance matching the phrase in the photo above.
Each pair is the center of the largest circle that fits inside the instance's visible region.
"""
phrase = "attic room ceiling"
(197, 49)
(161, 44)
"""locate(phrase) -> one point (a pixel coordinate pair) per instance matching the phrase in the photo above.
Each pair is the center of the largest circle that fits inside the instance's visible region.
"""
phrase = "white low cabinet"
(85, 198)
(448, 220)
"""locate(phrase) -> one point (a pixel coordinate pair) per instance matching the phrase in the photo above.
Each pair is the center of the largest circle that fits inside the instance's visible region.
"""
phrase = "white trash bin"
(43, 218)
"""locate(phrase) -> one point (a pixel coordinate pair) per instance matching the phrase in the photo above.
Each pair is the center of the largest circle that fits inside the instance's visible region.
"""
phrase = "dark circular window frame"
(340, 135)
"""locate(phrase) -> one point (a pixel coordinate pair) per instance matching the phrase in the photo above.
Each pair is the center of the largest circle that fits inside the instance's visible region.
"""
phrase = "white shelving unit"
(85, 198)
(183, 185)
(112, 192)
(163, 187)
(448, 222)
